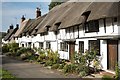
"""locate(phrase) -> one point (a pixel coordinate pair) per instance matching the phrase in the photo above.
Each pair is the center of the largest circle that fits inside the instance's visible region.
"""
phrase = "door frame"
(71, 42)
(108, 53)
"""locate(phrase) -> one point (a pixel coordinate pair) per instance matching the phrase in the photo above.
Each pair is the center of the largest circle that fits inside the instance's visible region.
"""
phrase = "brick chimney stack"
(38, 12)
(23, 18)
(11, 26)
(17, 26)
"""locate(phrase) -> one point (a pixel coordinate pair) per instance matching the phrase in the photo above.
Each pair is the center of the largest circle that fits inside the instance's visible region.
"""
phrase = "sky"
(13, 11)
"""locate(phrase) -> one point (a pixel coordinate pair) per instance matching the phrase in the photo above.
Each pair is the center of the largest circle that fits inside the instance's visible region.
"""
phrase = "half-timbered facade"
(77, 26)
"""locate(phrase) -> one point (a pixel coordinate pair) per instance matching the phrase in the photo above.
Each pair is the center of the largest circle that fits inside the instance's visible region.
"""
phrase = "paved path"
(23, 69)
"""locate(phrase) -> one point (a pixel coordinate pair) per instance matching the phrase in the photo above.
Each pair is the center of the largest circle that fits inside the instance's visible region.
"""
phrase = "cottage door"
(112, 54)
(71, 50)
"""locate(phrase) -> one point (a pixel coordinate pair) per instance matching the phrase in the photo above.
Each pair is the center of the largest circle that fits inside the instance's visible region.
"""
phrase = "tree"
(53, 4)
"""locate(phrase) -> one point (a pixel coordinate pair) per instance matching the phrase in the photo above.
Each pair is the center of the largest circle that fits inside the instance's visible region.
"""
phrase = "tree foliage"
(53, 4)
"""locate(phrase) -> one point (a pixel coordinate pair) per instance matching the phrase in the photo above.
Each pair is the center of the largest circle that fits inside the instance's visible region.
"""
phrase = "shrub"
(117, 72)
(5, 48)
(61, 66)
(85, 60)
(41, 57)
(26, 53)
(48, 63)
(20, 51)
(106, 77)
(55, 66)
(68, 68)
(82, 73)
(8, 54)
(23, 56)
(13, 47)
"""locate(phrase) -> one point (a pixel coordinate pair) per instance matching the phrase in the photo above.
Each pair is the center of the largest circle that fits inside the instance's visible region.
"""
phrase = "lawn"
(4, 75)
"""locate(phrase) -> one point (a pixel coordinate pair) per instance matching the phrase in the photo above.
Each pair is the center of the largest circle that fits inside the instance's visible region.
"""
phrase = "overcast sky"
(12, 12)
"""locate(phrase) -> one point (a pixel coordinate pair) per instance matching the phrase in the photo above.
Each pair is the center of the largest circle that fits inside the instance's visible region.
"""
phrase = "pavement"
(22, 69)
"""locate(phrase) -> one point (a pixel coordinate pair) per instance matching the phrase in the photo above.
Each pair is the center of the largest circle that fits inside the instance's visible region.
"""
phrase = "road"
(22, 69)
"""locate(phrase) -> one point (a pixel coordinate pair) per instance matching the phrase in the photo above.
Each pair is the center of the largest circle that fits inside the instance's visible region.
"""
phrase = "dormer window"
(92, 26)
(56, 28)
(115, 19)
(47, 28)
(57, 25)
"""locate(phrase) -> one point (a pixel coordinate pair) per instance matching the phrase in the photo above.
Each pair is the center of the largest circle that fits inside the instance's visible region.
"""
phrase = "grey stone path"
(23, 69)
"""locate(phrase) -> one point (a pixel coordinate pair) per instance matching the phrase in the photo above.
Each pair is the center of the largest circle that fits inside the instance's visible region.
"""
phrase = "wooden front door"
(112, 54)
(71, 51)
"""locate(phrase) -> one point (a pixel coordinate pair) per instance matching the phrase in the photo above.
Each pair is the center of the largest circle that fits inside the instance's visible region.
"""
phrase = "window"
(94, 45)
(115, 19)
(22, 45)
(48, 45)
(92, 26)
(29, 44)
(33, 45)
(40, 45)
(81, 46)
(64, 46)
(47, 28)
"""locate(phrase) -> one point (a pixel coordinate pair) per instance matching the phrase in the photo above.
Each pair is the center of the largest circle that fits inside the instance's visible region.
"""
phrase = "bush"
(13, 47)
(106, 77)
(5, 48)
(20, 51)
(8, 54)
(23, 56)
(41, 57)
(55, 66)
(117, 72)
(70, 68)
(26, 53)
(61, 66)
(82, 73)
(48, 63)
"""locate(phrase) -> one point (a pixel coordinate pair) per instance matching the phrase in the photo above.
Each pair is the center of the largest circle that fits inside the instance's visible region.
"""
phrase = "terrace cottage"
(75, 26)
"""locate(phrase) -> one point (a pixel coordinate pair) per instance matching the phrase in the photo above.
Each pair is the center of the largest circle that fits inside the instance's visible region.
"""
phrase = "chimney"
(17, 26)
(23, 18)
(11, 26)
(38, 12)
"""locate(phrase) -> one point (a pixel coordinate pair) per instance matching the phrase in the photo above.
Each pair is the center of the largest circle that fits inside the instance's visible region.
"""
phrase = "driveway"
(22, 69)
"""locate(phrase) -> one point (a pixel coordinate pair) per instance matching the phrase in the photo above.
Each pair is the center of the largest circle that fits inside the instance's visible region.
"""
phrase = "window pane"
(81, 46)
(94, 45)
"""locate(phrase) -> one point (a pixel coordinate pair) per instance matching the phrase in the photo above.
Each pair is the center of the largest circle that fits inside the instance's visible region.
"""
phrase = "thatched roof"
(71, 13)
(102, 10)
(31, 29)
(73, 16)
(10, 33)
(52, 16)
(22, 26)
(28, 26)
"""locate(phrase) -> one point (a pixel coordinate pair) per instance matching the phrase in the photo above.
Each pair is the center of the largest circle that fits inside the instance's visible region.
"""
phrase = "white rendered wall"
(54, 46)
(103, 52)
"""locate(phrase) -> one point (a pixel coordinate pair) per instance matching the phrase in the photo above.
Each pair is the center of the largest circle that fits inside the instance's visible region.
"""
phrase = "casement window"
(48, 45)
(22, 45)
(115, 19)
(40, 45)
(92, 26)
(94, 45)
(33, 45)
(81, 46)
(63, 46)
(29, 44)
